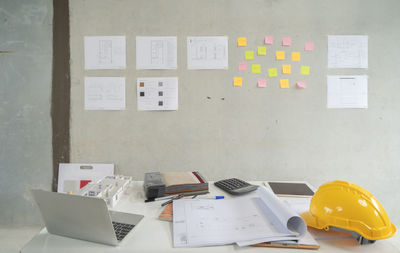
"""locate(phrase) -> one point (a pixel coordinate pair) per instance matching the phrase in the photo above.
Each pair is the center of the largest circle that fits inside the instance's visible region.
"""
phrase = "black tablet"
(291, 189)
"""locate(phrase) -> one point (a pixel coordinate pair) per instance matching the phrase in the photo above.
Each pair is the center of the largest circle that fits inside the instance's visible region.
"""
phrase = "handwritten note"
(237, 81)
(280, 55)
(286, 41)
(295, 56)
(249, 55)
(309, 46)
(256, 68)
(262, 51)
(284, 83)
(272, 72)
(242, 41)
(269, 39)
(242, 66)
(286, 69)
(301, 84)
(305, 70)
(262, 83)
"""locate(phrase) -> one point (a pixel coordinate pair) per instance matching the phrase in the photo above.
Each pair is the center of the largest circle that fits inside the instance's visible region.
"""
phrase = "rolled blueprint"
(281, 215)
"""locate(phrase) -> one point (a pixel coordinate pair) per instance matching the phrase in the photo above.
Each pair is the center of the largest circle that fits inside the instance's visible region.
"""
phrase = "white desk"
(153, 235)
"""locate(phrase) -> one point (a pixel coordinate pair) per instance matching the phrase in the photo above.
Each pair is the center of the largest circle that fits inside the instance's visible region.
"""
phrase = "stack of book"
(184, 183)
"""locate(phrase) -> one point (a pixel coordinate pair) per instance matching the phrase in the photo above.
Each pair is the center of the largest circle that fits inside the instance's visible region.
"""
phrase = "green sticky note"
(249, 55)
(272, 72)
(262, 51)
(256, 68)
(305, 70)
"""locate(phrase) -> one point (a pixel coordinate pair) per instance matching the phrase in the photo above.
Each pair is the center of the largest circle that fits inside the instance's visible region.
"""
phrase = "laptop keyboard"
(121, 229)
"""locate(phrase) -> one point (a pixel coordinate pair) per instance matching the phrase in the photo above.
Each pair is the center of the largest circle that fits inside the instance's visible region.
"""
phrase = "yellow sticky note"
(237, 81)
(272, 72)
(284, 83)
(295, 56)
(280, 55)
(262, 51)
(241, 41)
(286, 69)
(256, 68)
(249, 55)
(305, 70)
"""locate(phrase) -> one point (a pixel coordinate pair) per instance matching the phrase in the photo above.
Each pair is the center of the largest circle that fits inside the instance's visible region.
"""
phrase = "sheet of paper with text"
(156, 52)
(105, 52)
(104, 93)
(157, 94)
(348, 51)
(207, 52)
(347, 91)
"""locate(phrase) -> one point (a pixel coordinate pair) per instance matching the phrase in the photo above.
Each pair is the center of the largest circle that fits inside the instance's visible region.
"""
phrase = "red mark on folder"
(83, 183)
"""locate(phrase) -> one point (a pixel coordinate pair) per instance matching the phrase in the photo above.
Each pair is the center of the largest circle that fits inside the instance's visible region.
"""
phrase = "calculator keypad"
(235, 186)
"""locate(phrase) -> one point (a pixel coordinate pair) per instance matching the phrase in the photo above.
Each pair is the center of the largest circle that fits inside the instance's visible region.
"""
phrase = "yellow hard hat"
(348, 206)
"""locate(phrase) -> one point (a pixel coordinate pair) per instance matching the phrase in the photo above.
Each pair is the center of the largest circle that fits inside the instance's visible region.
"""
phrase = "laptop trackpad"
(127, 218)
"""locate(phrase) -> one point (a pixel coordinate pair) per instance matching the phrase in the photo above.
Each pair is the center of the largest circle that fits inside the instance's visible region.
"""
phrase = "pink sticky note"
(286, 41)
(269, 39)
(262, 83)
(301, 84)
(309, 46)
(242, 66)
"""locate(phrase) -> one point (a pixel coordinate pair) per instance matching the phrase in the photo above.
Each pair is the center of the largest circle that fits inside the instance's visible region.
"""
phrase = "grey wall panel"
(251, 133)
(25, 126)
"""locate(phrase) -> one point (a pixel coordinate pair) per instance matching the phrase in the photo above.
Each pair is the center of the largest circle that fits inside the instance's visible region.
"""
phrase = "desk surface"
(153, 235)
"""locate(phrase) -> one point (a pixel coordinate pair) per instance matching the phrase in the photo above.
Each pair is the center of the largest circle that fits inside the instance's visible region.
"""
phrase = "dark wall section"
(60, 101)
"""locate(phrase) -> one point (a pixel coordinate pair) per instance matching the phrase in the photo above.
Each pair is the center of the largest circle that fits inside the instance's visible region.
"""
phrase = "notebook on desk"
(84, 218)
(184, 182)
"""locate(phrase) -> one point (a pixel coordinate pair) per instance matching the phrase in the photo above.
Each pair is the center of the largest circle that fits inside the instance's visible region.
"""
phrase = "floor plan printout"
(156, 52)
(157, 93)
(104, 93)
(105, 52)
(206, 222)
(207, 52)
(348, 51)
(347, 91)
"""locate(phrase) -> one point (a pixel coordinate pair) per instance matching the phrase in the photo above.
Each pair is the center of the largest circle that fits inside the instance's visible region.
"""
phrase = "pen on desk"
(161, 198)
(166, 197)
(172, 199)
(213, 197)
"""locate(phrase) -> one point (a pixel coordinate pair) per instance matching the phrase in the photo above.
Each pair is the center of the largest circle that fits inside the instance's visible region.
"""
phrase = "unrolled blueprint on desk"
(245, 221)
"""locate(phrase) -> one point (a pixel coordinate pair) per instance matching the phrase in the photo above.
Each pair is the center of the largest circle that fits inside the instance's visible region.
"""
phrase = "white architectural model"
(109, 188)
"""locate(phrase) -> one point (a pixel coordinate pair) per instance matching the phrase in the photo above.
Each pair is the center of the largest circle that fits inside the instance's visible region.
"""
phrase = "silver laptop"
(84, 218)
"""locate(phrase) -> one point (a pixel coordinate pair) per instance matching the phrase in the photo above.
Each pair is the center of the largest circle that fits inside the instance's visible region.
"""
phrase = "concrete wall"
(25, 123)
(266, 134)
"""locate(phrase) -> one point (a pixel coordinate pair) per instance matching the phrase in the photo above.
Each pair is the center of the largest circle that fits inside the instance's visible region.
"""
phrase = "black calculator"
(235, 186)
